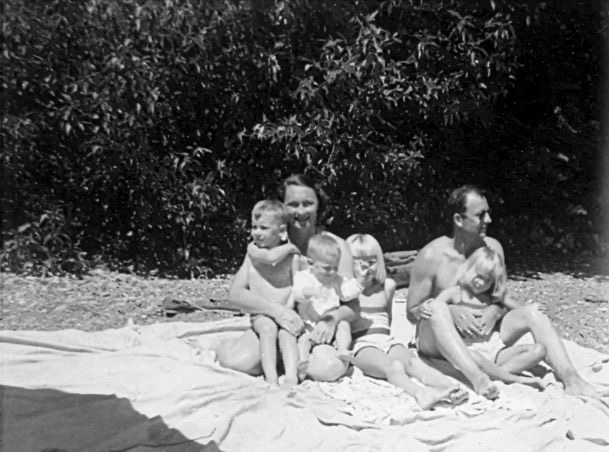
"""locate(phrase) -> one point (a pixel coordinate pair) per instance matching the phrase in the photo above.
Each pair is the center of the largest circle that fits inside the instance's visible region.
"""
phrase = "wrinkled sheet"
(180, 399)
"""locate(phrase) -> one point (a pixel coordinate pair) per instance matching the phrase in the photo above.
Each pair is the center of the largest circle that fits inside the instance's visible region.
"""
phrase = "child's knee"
(396, 366)
(535, 313)
(265, 327)
(285, 336)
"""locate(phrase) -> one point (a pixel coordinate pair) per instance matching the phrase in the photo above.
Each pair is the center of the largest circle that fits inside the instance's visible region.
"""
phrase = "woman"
(304, 200)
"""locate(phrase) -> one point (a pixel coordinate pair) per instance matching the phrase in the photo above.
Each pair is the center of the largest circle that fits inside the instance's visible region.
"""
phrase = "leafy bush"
(155, 125)
(43, 246)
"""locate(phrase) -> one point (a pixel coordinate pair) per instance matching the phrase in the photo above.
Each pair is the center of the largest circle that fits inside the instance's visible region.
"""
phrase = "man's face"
(266, 230)
(476, 217)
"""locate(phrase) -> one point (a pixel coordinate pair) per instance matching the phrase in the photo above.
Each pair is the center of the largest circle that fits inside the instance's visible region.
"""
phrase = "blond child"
(375, 351)
(269, 273)
(481, 280)
(318, 292)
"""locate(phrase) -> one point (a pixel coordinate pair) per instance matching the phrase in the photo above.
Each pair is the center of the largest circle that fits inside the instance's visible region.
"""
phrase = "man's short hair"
(458, 199)
(273, 207)
(322, 245)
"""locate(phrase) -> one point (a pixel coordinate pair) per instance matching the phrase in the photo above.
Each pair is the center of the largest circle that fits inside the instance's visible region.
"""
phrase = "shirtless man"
(435, 269)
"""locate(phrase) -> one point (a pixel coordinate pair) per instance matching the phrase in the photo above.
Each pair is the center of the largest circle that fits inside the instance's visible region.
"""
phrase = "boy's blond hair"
(273, 207)
(322, 245)
(485, 261)
(366, 245)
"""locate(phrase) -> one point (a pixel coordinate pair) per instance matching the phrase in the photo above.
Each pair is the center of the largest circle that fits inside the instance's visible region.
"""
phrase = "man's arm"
(421, 283)
(270, 256)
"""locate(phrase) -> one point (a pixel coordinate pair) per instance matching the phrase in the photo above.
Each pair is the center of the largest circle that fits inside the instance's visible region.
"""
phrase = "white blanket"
(169, 370)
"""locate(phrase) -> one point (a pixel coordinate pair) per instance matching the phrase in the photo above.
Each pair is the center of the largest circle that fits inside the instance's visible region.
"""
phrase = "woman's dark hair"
(302, 180)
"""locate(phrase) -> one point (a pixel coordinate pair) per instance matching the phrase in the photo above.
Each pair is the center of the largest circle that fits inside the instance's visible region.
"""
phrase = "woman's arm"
(245, 299)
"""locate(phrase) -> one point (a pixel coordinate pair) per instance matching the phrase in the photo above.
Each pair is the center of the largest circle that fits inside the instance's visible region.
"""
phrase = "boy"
(319, 290)
(270, 275)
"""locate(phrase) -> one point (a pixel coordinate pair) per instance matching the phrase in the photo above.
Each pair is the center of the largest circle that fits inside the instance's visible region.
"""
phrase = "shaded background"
(138, 134)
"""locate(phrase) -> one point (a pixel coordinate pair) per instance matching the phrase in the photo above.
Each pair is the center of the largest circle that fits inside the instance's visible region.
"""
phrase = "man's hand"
(289, 320)
(467, 320)
(324, 331)
(487, 318)
(425, 310)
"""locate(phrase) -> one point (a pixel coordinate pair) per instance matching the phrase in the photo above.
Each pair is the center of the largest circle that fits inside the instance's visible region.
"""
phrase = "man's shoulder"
(435, 249)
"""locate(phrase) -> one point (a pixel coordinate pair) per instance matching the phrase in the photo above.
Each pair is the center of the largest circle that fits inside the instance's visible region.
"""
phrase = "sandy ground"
(576, 298)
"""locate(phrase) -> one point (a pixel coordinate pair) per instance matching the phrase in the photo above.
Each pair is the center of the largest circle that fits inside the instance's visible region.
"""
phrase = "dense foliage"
(142, 132)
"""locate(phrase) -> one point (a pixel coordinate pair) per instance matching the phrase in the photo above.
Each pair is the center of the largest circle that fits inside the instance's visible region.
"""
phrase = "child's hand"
(324, 331)
(310, 292)
(363, 270)
(294, 249)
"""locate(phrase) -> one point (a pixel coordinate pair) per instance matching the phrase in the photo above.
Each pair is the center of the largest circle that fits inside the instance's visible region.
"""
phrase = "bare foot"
(427, 398)
(458, 395)
(579, 387)
(289, 382)
(301, 369)
(271, 381)
(486, 388)
(535, 382)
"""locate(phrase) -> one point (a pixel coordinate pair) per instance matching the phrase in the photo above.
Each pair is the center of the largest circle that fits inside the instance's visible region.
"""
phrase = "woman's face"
(302, 204)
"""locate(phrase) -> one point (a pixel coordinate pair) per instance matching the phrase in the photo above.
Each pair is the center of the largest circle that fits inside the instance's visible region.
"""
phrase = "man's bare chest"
(446, 275)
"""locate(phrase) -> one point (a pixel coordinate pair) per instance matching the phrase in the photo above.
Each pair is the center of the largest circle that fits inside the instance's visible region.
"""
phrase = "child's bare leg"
(289, 353)
(266, 329)
(304, 351)
(416, 367)
(498, 373)
(342, 341)
(519, 358)
(375, 363)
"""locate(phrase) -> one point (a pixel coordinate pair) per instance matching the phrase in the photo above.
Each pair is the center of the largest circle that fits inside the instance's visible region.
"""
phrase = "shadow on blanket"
(50, 420)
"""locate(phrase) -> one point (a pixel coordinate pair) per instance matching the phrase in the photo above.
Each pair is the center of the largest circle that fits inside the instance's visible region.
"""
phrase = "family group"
(323, 304)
